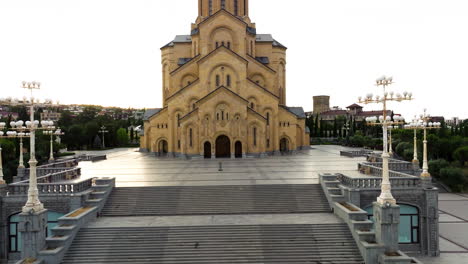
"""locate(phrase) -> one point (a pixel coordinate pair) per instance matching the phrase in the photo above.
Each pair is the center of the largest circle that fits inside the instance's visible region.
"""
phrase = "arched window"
(222, 115)
(223, 4)
(268, 119)
(178, 144)
(178, 120)
(408, 229)
(236, 7)
(229, 45)
(227, 116)
(222, 43)
(268, 143)
(217, 116)
(252, 105)
(255, 136)
(217, 81)
(217, 44)
(228, 80)
(191, 137)
(210, 7)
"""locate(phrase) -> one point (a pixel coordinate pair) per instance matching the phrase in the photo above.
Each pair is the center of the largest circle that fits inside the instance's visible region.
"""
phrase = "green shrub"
(454, 178)
(461, 154)
(408, 154)
(436, 165)
(400, 148)
(356, 141)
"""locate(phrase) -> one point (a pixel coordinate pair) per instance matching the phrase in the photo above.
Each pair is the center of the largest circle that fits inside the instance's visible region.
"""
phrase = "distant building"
(321, 104)
(50, 115)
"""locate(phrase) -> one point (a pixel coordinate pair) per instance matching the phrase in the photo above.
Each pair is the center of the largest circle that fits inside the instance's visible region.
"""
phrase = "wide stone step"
(207, 200)
(325, 244)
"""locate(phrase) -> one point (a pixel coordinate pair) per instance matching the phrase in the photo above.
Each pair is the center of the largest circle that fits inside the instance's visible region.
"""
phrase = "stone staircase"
(324, 244)
(209, 200)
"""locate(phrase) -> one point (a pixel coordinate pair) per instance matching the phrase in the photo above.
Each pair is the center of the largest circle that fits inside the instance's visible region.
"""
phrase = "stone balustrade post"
(387, 218)
(32, 227)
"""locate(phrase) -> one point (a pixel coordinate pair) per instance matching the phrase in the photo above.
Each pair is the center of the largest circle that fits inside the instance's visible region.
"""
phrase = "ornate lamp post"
(390, 147)
(385, 121)
(386, 211)
(103, 131)
(12, 134)
(52, 133)
(31, 126)
(424, 124)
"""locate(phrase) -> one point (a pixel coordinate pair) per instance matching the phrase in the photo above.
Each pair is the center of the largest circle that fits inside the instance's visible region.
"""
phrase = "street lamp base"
(415, 161)
(425, 175)
(386, 200)
(2, 182)
(35, 207)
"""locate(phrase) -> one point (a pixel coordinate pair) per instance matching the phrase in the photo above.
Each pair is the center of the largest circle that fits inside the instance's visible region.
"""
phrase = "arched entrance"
(162, 148)
(223, 147)
(238, 148)
(284, 145)
(207, 150)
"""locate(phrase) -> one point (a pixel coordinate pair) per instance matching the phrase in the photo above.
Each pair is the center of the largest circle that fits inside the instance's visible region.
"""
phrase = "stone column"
(431, 227)
(386, 219)
(32, 227)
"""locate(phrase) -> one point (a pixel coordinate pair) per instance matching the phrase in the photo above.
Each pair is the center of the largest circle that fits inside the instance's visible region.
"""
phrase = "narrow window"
(178, 144)
(191, 137)
(255, 136)
(222, 43)
(178, 120)
(217, 116)
(268, 143)
(228, 80)
(222, 115)
(210, 7)
(217, 44)
(227, 116)
(217, 80)
(158, 125)
(193, 106)
(268, 119)
(229, 45)
(236, 7)
(251, 48)
(245, 7)
(252, 105)
(223, 4)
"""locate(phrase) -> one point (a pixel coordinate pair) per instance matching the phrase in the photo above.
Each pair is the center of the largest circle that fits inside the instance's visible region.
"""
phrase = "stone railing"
(375, 183)
(368, 169)
(23, 173)
(399, 167)
(93, 158)
(355, 153)
(52, 188)
(60, 175)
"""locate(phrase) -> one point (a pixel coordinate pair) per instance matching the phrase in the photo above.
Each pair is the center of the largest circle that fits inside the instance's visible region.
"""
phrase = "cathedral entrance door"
(163, 148)
(207, 148)
(238, 148)
(223, 147)
(284, 145)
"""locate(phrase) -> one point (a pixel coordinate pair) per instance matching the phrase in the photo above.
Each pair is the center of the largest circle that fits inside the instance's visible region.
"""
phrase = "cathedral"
(224, 91)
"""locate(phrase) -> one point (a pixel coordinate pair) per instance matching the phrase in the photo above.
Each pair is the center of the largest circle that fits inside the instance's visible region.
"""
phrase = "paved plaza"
(134, 169)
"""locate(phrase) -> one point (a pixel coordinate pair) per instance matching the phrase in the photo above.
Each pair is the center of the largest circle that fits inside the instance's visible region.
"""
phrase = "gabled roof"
(269, 38)
(150, 113)
(179, 39)
(223, 88)
(297, 111)
(256, 113)
(354, 106)
(183, 89)
(225, 48)
(222, 11)
(263, 88)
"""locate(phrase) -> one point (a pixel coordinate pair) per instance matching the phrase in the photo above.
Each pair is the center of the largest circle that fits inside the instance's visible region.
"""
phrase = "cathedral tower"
(224, 90)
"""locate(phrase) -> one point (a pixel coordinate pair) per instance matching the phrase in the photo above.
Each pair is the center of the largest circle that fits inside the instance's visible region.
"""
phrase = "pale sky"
(107, 52)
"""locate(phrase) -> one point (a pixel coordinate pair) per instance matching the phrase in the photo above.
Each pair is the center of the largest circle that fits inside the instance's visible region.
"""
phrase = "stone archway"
(207, 150)
(163, 148)
(223, 147)
(238, 150)
(284, 145)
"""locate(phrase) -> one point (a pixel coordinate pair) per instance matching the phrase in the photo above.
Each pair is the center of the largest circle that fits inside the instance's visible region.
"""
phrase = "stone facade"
(224, 90)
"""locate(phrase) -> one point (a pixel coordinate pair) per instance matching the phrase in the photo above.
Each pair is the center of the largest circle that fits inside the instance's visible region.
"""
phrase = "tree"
(132, 135)
(122, 137)
(461, 154)
(91, 130)
(335, 128)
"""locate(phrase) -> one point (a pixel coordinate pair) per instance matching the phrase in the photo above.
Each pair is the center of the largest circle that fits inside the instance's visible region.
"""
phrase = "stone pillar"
(33, 232)
(387, 218)
(431, 227)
